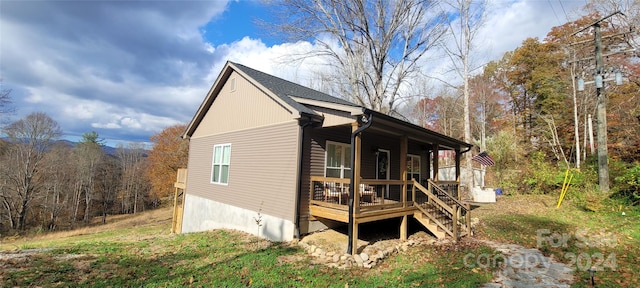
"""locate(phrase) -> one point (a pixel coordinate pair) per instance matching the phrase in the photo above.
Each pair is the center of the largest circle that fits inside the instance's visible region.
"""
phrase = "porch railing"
(178, 200)
(372, 193)
(442, 208)
(438, 201)
(451, 188)
(181, 178)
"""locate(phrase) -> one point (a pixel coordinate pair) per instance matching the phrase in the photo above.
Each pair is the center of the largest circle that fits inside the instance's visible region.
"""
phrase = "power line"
(601, 108)
(554, 12)
(564, 11)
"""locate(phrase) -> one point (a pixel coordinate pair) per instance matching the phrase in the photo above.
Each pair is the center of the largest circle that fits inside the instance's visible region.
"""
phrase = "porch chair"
(367, 192)
(333, 192)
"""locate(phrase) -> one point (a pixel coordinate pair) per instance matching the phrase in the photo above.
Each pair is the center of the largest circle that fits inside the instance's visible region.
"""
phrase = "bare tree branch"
(377, 45)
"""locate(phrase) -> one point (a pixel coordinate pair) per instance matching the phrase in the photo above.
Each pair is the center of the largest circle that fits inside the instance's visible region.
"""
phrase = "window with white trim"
(338, 160)
(413, 167)
(220, 165)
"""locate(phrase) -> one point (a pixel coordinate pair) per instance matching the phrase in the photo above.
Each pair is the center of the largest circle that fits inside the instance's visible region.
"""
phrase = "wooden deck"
(178, 200)
(436, 206)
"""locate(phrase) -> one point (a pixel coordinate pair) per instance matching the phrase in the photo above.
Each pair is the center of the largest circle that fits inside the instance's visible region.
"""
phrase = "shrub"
(510, 182)
(543, 177)
(628, 185)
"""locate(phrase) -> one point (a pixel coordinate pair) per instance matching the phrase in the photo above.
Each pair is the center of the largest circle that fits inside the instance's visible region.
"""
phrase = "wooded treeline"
(529, 114)
(51, 185)
(524, 109)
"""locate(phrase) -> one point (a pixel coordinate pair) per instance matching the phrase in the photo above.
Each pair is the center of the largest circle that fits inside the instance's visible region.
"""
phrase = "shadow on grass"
(212, 266)
(387, 229)
(205, 266)
(522, 229)
(216, 259)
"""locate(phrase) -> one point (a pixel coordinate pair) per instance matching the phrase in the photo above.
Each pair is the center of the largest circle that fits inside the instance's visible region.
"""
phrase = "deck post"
(413, 193)
(436, 157)
(174, 221)
(353, 221)
(454, 222)
(468, 219)
(404, 228)
(354, 239)
(458, 154)
(403, 168)
(428, 158)
(356, 187)
(180, 185)
(356, 169)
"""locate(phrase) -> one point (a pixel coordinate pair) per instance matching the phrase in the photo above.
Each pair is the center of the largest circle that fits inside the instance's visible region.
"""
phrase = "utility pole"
(601, 114)
(601, 104)
(576, 121)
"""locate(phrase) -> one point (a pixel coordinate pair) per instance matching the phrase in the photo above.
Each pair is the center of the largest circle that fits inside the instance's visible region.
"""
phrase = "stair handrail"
(435, 186)
(463, 206)
(458, 205)
(432, 197)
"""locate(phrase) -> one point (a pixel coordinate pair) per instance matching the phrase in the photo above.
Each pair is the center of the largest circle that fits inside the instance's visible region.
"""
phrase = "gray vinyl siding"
(246, 107)
(305, 179)
(319, 140)
(371, 142)
(262, 172)
(313, 164)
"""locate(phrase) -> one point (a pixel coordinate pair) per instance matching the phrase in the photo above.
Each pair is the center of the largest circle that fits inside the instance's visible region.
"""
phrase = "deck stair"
(440, 212)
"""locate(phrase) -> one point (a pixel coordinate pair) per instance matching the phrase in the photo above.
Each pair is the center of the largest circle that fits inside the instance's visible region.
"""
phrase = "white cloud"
(131, 123)
(510, 23)
(81, 111)
(129, 69)
(106, 125)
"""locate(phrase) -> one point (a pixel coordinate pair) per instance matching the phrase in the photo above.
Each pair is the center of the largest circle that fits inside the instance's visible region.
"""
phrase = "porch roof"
(397, 127)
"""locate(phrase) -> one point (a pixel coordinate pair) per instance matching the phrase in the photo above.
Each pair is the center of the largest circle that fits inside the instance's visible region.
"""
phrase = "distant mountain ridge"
(107, 149)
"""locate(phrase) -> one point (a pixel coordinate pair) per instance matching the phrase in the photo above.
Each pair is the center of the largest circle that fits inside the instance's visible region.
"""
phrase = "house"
(279, 160)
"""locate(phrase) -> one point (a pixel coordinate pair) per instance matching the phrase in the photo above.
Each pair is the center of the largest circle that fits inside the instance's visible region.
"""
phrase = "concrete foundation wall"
(201, 214)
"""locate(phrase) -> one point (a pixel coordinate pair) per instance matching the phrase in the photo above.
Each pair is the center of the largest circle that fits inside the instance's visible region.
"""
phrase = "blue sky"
(128, 69)
(237, 21)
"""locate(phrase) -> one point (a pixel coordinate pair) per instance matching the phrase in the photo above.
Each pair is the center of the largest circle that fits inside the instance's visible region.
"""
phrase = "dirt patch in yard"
(371, 236)
(160, 216)
(331, 240)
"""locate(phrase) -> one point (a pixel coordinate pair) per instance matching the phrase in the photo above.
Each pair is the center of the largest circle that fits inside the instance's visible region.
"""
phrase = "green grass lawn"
(606, 240)
(147, 255)
(152, 257)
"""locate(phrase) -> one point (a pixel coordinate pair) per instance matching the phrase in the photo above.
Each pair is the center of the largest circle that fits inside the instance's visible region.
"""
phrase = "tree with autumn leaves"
(170, 152)
(526, 107)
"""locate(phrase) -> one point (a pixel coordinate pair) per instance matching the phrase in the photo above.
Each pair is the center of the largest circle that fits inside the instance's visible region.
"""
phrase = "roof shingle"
(284, 88)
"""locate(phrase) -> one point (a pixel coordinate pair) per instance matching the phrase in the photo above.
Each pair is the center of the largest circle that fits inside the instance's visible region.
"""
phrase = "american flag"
(484, 159)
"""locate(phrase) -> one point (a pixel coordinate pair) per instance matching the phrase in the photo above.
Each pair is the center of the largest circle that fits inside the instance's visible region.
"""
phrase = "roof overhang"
(390, 125)
(354, 110)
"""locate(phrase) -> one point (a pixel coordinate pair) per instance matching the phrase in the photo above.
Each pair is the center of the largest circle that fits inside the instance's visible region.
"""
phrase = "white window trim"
(419, 166)
(213, 163)
(326, 158)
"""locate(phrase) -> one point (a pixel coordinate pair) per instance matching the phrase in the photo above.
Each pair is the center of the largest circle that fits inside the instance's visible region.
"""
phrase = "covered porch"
(392, 172)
